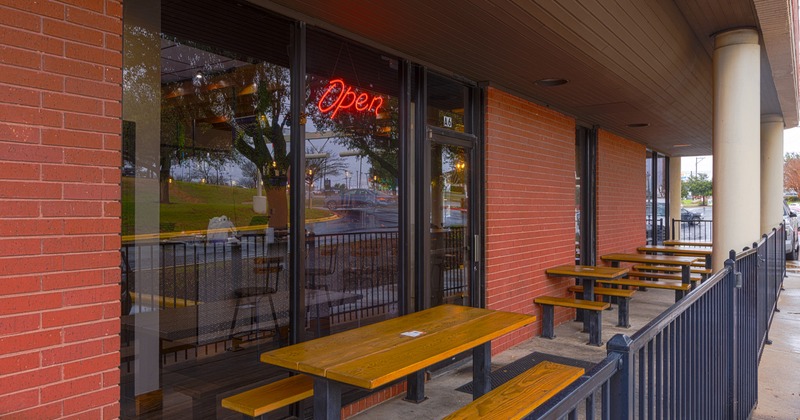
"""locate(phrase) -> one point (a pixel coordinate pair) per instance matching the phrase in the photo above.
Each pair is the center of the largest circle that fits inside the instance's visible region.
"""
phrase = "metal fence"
(354, 274)
(698, 359)
(692, 230)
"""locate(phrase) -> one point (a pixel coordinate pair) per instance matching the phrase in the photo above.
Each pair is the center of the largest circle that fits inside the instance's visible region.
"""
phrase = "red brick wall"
(60, 91)
(530, 206)
(621, 193)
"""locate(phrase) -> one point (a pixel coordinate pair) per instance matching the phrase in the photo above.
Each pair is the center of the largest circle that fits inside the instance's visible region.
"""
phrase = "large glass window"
(352, 169)
(207, 194)
(447, 101)
(656, 199)
(205, 279)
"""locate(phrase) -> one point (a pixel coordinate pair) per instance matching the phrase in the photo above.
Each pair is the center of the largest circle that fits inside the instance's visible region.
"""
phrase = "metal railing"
(698, 359)
(693, 230)
(361, 268)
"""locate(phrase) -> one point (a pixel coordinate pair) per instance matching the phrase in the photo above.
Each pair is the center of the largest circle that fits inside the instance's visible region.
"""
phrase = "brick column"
(60, 145)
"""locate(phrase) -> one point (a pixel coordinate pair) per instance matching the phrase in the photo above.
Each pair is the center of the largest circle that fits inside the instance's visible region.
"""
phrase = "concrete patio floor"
(779, 388)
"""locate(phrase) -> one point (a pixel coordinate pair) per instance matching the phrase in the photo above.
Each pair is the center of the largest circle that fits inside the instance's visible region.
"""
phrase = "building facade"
(450, 154)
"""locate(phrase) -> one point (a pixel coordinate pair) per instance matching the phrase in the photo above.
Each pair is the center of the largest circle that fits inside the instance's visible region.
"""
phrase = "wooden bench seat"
(661, 276)
(594, 311)
(670, 269)
(679, 288)
(522, 394)
(258, 401)
(622, 299)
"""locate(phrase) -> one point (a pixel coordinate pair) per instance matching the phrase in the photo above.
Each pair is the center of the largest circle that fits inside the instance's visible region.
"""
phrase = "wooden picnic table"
(375, 355)
(704, 252)
(587, 274)
(684, 262)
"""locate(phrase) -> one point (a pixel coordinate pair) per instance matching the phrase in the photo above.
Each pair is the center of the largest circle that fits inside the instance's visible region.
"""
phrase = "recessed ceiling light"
(199, 75)
(638, 125)
(550, 82)
(681, 145)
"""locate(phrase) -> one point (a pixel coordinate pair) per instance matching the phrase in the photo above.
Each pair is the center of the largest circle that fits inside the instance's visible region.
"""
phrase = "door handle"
(476, 248)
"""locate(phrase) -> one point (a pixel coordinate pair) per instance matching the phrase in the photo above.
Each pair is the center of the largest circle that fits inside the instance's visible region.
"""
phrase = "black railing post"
(622, 381)
(731, 302)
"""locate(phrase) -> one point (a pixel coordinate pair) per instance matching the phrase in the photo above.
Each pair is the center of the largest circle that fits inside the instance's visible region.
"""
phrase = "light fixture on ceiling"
(551, 82)
(198, 75)
(638, 125)
(681, 145)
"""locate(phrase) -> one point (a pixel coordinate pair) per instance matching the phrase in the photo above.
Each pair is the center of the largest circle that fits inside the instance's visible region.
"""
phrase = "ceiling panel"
(653, 56)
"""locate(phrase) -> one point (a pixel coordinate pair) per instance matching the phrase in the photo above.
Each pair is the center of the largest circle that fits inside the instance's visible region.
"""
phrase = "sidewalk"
(779, 371)
(779, 386)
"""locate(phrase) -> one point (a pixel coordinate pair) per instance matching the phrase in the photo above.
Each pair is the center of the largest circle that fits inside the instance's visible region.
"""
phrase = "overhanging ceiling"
(627, 61)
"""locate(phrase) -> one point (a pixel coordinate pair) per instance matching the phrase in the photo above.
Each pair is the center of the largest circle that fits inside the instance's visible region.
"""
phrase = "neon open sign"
(338, 97)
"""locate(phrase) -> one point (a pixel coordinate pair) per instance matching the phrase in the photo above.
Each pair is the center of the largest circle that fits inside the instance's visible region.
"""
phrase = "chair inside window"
(362, 266)
(321, 263)
(267, 269)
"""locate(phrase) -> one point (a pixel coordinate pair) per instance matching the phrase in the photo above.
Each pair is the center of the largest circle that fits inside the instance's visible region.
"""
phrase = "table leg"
(686, 272)
(481, 367)
(588, 294)
(327, 399)
(415, 383)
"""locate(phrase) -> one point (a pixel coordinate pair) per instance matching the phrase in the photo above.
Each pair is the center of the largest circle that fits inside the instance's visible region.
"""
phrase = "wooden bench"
(522, 394)
(622, 297)
(671, 269)
(679, 288)
(259, 401)
(594, 311)
(662, 276)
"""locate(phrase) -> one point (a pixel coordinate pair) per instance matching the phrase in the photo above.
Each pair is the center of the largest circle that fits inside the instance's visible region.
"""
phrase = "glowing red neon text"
(346, 98)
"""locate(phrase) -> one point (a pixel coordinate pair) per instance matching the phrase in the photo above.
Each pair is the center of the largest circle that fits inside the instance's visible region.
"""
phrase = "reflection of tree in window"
(266, 104)
(326, 165)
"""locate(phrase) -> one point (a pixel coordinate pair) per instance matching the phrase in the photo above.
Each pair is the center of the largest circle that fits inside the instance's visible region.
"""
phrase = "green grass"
(192, 205)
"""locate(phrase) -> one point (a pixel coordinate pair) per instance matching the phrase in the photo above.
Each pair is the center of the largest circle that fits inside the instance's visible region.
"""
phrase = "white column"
(736, 145)
(675, 194)
(771, 172)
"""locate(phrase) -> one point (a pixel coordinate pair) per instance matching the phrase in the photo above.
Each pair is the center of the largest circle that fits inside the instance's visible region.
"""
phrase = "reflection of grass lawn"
(192, 205)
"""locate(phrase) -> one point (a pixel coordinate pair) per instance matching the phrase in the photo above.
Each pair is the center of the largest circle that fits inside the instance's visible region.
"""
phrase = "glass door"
(450, 262)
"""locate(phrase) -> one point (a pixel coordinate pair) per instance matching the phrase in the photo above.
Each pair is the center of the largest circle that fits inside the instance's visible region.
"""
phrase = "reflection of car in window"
(690, 217)
(354, 198)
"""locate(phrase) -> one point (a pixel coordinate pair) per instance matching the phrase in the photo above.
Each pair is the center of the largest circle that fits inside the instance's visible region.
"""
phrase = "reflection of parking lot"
(700, 230)
(349, 220)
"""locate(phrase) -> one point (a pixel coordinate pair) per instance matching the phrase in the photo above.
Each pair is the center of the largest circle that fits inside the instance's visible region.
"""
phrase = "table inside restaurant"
(375, 355)
(704, 252)
(684, 262)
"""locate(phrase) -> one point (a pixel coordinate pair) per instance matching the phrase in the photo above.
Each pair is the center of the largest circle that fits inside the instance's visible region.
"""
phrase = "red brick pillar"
(60, 145)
